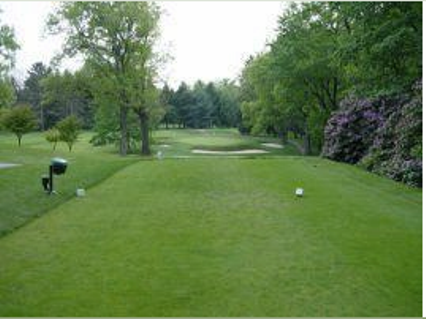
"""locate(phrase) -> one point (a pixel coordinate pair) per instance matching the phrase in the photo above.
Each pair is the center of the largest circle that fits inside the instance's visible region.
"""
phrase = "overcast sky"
(207, 40)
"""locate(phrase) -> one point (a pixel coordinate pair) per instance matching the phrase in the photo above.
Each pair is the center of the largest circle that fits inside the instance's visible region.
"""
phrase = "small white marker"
(160, 155)
(299, 192)
(80, 192)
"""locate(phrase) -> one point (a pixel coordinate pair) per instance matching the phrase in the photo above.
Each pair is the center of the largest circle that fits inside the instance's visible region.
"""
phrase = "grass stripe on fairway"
(208, 237)
(21, 192)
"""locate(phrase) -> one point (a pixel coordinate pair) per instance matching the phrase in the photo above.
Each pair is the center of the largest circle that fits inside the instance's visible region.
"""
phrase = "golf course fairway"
(222, 237)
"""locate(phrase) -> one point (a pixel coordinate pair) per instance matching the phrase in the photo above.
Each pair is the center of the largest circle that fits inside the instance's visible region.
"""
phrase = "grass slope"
(21, 192)
(209, 237)
(20, 187)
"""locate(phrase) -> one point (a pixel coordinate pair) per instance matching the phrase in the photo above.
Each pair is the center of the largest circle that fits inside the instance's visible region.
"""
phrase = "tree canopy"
(323, 52)
(116, 38)
(19, 120)
(203, 105)
(8, 48)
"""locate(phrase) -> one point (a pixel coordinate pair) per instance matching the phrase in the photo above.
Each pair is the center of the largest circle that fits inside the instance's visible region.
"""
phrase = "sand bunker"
(272, 145)
(229, 152)
(8, 165)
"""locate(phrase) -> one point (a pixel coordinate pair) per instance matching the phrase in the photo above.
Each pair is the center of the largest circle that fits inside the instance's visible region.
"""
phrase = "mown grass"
(210, 237)
(182, 142)
(21, 192)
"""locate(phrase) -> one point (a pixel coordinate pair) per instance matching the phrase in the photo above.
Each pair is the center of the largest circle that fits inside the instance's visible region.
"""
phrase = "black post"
(50, 179)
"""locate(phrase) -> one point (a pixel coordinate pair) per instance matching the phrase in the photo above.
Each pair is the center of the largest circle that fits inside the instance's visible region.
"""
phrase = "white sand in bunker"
(229, 152)
(272, 145)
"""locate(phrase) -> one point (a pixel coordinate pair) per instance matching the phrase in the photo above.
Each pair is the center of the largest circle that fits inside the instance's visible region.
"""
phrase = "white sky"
(207, 40)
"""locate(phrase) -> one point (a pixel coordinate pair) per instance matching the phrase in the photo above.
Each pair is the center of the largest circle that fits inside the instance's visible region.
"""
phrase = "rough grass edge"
(66, 198)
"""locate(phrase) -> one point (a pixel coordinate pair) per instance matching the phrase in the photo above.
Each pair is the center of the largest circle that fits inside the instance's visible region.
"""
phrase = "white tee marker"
(299, 192)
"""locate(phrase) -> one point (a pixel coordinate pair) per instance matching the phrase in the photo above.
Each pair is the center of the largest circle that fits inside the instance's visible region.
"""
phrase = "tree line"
(202, 106)
(346, 77)
(53, 96)
(115, 92)
(116, 41)
(324, 52)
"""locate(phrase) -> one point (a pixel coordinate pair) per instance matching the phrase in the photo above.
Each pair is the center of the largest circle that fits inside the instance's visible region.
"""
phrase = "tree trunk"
(307, 141)
(123, 131)
(144, 130)
(284, 136)
(42, 126)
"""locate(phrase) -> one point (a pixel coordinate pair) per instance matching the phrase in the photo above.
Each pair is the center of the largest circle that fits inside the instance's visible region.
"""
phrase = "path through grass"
(222, 237)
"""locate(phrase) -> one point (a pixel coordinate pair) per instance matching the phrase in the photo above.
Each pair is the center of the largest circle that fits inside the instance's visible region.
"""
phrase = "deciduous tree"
(19, 120)
(116, 38)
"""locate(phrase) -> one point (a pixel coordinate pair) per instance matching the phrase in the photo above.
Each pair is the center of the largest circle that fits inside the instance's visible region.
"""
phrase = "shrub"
(68, 130)
(383, 135)
(397, 147)
(350, 131)
(53, 136)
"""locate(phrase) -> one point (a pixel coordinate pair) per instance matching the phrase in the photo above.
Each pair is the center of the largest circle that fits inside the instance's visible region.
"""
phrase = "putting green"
(228, 237)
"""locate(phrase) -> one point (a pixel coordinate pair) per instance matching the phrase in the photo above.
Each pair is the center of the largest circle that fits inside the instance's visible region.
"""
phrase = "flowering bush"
(384, 135)
(349, 132)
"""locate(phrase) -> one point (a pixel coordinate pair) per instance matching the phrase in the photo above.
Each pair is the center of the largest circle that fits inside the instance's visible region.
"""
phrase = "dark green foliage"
(182, 101)
(381, 52)
(203, 105)
(200, 112)
(170, 116)
(19, 120)
(366, 54)
(33, 91)
(107, 128)
(66, 94)
(325, 50)
(296, 84)
(227, 113)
